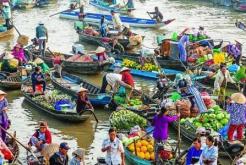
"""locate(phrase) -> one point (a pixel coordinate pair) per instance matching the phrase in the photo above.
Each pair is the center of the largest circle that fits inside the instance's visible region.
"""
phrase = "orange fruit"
(141, 155)
(143, 149)
(150, 148)
(147, 156)
(152, 156)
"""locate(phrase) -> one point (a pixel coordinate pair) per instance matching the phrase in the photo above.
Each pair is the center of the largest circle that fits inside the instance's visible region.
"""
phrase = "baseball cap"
(64, 145)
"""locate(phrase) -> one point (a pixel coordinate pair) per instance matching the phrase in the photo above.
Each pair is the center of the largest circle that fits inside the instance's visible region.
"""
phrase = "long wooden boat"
(70, 84)
(7, 33)
(29, 4)
(74, 67)
(98, 40)
(100, 4)
(60, 115)
(133, 159)
(10, 81)
(239, 5)
(94, 18)
(14, 148)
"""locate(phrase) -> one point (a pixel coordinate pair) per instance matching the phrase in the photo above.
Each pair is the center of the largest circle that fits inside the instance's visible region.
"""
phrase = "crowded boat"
(199, 89)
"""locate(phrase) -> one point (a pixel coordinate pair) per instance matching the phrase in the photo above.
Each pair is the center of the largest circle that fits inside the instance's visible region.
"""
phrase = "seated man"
(157, 15)
(38, 78)
(41, 137)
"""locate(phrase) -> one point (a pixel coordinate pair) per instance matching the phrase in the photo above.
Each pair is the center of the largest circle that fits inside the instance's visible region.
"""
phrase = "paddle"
(62, 12)
(179, 136)
(91, 112)
(19, 142)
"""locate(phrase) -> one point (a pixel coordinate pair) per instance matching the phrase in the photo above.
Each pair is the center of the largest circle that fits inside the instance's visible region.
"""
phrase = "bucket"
(39, 87)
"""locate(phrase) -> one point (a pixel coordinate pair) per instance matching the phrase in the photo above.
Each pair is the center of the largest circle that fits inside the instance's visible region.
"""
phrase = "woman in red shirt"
(101, 54)
(127, 81)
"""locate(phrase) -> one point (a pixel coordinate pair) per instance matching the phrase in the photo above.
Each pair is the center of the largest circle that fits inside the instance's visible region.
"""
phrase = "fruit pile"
(134, 65)
(144, 148)
(215, 119)
(125, 120)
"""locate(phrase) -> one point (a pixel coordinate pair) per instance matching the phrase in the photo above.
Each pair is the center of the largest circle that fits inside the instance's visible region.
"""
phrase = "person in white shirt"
(116, 21)
(111, 79)
(114, 148)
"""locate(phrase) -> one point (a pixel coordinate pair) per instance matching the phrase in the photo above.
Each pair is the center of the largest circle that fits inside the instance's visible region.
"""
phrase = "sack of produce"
(135, 40)
(22, 40)
(185, 106)
(219, 58)
(45, 68)
(233, 68)
(63, 104)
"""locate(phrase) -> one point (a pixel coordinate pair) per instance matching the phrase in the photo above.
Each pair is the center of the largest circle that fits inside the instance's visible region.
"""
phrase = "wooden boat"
(74, 67)
(14, 148)
(239, 5)
(94, 18)
(100, 4)
(10, 80)
(29, 4)
(7, 33)
(98, 40)
(60, 115)
(70, 84)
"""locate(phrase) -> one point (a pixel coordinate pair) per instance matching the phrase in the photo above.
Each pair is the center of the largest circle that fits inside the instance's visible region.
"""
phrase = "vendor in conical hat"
(4, 122)
(18, 53)
(237, 109)
(83, 101)
(101, 54)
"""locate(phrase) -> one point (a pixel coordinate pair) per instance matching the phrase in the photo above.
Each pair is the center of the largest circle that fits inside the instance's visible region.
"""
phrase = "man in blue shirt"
(42, 36)
(38, 78)
(194, 152)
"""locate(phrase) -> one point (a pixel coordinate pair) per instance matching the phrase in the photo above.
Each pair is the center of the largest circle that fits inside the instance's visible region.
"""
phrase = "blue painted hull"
(95, 18)
(97, 4)
(150, 75)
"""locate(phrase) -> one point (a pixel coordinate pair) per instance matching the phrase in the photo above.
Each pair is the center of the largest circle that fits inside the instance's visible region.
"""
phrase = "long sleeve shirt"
(193, 154)
(209, 154)
(220, 78)
(161, 126)
(237, 113)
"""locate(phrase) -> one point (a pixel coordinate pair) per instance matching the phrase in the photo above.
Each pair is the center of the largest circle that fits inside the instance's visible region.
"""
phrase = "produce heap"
(214, 119)
(125, 120)
(134, 65)
(49, 99)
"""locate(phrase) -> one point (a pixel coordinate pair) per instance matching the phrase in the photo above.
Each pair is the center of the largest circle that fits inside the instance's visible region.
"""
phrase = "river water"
(218, 22)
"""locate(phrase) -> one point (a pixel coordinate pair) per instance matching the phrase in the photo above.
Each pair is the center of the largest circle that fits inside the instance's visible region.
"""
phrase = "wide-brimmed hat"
(80, 152)
(38, 61)
(2, 93)
(124, 69)
(238, 98)
(8, 56)
(100, 49)
(82, 90)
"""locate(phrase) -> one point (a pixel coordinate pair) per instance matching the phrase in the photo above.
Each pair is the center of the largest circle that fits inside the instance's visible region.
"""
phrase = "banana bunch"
(150, 67)
(129, 63)
(134, 65)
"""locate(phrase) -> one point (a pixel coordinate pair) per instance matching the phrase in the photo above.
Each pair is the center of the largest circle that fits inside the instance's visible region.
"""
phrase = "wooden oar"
(19, 142)
(179, 135)
(62, 11)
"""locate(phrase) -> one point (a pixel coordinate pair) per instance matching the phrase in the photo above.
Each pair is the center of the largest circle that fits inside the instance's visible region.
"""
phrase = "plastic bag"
(174, 36)
(45, 67)
(241, 73)
(60, 103)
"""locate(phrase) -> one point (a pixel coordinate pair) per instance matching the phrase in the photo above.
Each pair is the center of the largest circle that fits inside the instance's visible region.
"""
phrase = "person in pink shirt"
(19, 54)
